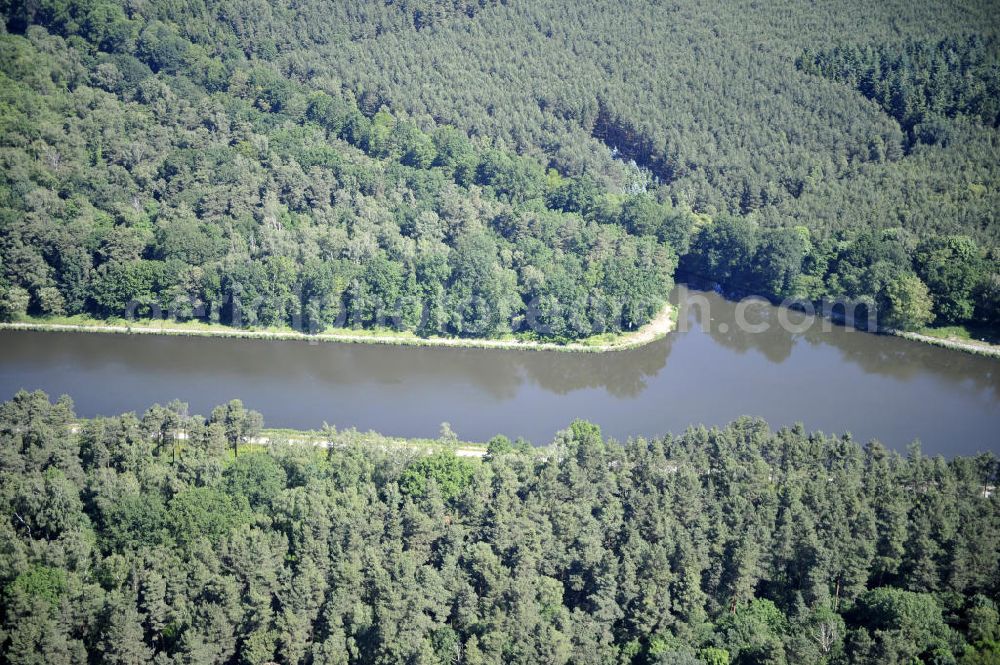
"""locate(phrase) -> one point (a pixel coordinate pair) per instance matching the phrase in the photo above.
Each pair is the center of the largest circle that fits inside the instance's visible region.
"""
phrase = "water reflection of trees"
(621, 373)
(501, 373)
(719, 321)
(233, 363)
(906, 359)
(403, 374)
(875, 354)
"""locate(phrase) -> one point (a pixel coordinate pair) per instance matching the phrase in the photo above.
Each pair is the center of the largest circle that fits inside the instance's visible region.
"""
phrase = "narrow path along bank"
(968, 346)
(266, 438)
(385, 443)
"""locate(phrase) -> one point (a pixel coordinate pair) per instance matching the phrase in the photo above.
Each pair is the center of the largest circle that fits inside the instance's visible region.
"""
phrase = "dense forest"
(480, 168)
(123, 542)
(920, 84)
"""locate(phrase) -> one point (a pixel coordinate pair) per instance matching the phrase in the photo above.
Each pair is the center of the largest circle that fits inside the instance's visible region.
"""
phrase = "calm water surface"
(834, 380)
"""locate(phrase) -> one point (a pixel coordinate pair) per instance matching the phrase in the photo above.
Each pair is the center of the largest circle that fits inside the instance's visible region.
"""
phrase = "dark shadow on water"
(883, 355)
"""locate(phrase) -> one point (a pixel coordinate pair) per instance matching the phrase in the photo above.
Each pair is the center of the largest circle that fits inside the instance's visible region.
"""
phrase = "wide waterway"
(826, 377)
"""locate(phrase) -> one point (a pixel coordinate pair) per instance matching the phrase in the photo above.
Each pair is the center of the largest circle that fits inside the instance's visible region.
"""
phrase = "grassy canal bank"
(662, 324)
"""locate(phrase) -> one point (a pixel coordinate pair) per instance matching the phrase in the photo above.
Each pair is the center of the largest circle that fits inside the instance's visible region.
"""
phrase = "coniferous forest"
(470, 168)
(123, 543)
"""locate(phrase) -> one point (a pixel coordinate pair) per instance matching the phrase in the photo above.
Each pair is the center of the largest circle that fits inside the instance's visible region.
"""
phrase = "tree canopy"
(715, 546)
(485, 168)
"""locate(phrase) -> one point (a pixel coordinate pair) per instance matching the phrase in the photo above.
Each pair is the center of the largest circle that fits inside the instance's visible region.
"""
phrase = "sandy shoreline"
(662, 324)
(978, 348)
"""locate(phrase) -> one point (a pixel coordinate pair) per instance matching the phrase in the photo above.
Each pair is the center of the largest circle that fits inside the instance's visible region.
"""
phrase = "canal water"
(712, 371)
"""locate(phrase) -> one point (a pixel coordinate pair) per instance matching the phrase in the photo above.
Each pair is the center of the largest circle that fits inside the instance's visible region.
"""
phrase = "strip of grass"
(958, 338)
(389, 336)
(279, 435)
(967, 333)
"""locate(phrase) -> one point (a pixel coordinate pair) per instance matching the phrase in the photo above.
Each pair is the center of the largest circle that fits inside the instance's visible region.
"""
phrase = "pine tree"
(122, 641)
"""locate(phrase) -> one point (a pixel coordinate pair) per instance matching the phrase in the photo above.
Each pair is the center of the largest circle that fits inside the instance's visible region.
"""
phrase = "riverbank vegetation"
(480, 169)
(123, 543)
(290, 207)
(658, 327)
